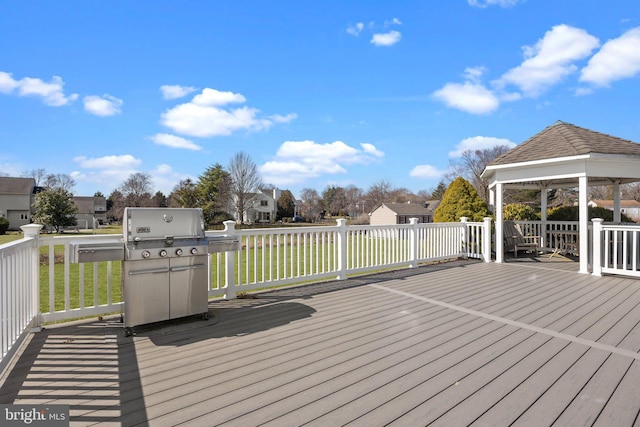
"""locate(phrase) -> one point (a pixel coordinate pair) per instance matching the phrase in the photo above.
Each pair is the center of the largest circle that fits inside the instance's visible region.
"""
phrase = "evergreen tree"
(213, 194)
(461, 199)
(55, 208)
(286, 205)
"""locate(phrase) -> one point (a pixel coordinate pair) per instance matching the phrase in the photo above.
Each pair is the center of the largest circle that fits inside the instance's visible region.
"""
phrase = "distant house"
(16, 200)
(263, 207)
(92, 211)
(630, 208)
(400, 213)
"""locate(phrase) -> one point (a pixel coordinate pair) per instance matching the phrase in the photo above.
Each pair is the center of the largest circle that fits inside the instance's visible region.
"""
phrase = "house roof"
(11, 185)
(563, 139)
(84, 204)
(425, 208)
(623, 203)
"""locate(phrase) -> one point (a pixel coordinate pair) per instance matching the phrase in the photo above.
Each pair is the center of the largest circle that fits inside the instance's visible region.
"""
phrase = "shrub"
(519, 212)
(571, 213)
(461, 199)
(4, 225)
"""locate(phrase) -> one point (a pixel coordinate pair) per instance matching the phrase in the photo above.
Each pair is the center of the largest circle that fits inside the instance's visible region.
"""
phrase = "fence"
(18, 290)
(39, 284)
(616, 249)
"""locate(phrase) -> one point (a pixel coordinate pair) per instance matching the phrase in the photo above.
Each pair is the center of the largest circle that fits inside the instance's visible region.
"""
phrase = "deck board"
(349, 353)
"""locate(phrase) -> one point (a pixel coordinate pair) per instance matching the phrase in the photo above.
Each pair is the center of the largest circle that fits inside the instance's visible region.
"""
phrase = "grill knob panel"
(163, 253)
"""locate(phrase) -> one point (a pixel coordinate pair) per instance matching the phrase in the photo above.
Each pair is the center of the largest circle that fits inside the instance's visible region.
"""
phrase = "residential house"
(92, 211)
(630, 208)
(16, 200)
(263, 207)
(400, 213)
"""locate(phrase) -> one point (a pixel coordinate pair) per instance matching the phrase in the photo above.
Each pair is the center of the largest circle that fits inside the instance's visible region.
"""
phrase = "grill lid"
(167, 224)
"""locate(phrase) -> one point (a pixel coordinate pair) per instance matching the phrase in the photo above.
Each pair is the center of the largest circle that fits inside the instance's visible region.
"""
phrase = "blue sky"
(318, 93)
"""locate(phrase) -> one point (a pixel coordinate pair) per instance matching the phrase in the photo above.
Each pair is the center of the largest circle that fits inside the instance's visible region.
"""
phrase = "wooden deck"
(461, 343)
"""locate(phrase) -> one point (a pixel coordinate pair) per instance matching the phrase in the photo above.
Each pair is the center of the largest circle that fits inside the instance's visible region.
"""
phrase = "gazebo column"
(543, 217)
(584, 225)
(498, 213)
(617, 217)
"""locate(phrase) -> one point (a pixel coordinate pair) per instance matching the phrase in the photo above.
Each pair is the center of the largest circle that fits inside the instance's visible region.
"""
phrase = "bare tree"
(59, 181)
(377, 194)
(310, 205)
(137, 190)
(471, 165)
(245, 182)
(37, 174)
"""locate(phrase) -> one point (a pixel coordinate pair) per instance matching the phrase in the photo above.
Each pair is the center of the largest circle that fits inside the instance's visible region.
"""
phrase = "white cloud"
(479, 143)
(174, 141)
(176, 91)
(52, 93)
(471, 97)
(550, 60)
(217, 98)
(297, 161)
(618, 59)
(426, 171)
(103, 106)
(125, 161)
(386, 39)
(356, 29)
(205, 116)
(394, 21)
(485, 3)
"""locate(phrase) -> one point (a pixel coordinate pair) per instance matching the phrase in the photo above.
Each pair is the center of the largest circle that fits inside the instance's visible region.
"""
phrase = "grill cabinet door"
(146, 291)
(188, 289)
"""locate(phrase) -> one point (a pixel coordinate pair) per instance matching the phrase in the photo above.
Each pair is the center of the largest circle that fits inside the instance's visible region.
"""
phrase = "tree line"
(219, 191)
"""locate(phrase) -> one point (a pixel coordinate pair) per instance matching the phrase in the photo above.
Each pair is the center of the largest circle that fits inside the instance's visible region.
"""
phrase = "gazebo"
(563, 156)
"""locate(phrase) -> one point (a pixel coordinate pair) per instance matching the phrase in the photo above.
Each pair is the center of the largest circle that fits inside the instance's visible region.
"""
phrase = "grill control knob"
(146, 254)
(178, 251)
(162, 253)
(194, 251)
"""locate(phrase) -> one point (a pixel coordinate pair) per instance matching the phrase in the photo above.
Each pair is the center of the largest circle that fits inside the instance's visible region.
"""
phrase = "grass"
(280, 262)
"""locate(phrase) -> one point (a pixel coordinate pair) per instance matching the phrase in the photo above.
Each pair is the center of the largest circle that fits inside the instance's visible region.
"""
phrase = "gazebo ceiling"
(562, 153)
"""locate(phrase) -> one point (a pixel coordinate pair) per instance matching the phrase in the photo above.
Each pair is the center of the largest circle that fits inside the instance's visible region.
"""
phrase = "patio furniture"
(515, 241)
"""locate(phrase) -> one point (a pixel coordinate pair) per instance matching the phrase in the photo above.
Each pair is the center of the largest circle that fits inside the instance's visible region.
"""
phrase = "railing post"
(413, 242)
(486, 240)
(465, 233)
(32, 231)
(342, 248)
(597, 246)
(230, 263)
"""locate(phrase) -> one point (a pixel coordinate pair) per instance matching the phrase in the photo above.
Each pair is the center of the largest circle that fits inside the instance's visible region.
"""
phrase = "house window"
(264, 216)
(264, 203)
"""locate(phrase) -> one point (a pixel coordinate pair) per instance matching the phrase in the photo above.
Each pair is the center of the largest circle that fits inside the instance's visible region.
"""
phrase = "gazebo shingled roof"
(563, 139)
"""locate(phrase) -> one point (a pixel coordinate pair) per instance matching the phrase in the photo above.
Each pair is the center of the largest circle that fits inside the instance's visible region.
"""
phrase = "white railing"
(18, 290)
(77, 290)
(54, 289)
(275, 257)
(616, 249)
(554, 235)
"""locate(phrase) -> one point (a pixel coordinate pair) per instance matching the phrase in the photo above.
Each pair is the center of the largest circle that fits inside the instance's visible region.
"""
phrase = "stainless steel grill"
(164, 253)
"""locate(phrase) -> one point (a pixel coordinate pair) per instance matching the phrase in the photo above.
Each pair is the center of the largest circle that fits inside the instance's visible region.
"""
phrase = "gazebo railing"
(616, 249)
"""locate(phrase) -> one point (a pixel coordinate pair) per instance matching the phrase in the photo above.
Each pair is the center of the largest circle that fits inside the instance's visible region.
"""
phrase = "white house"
(263, 207)
(400, 213)
(630, 208)
(16, 200)
(92, 211)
